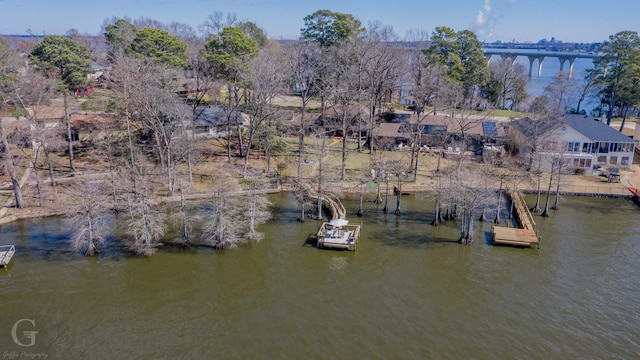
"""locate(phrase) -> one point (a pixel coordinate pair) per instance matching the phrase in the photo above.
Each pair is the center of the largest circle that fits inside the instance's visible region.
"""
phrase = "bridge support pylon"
(540, 61)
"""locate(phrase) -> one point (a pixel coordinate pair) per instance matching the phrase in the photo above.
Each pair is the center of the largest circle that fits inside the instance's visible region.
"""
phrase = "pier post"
(540, 61)
(571, 60)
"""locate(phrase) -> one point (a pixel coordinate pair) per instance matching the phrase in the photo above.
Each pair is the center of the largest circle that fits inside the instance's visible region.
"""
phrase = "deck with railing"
(6, 253)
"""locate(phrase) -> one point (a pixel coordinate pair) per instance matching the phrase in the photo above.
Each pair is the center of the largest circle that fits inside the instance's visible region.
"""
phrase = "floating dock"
(6, 253)
(526, 234)
(338, 234)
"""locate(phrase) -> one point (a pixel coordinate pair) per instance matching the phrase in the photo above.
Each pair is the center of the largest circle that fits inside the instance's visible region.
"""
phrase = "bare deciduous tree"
(145, 224)
(221, 228)
(87, 207)
(9, 165)
(264, 79)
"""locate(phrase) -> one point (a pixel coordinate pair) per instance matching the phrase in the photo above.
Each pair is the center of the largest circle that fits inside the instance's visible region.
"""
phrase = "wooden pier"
(526, 234)
(337, 234)
(6, 253)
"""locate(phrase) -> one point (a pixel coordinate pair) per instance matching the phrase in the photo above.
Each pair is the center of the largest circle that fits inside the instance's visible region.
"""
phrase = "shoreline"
(345, 189)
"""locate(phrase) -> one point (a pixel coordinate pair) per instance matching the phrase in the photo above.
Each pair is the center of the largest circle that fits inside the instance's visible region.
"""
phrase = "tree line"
(354, 72)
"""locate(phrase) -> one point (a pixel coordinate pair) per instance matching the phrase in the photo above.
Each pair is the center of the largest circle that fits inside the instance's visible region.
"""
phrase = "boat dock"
(337, 234)
(526, 234)
(6, 253)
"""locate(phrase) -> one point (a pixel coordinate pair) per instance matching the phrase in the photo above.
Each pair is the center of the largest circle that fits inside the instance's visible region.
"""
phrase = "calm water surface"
(409, 292)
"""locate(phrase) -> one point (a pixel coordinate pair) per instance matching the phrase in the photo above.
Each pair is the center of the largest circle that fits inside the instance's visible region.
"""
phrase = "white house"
(584, 142)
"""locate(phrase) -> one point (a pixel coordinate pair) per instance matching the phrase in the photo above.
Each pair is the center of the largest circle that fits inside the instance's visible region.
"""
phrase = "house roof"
(48, 112)
(588, 126)
(351, 111)
(390, 130)
(94, 121)
(532, 128)
(470, 125)
(217, 116)
(595, 129)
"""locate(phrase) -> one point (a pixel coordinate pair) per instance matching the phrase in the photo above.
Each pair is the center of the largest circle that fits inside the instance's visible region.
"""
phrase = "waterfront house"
(584, 142)
(438, 131)
(213, 121)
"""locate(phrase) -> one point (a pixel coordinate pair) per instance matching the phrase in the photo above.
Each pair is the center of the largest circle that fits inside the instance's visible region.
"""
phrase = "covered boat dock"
(338, 234)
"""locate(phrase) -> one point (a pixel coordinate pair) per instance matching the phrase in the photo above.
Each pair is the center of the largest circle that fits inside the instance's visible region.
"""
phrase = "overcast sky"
(492, 20)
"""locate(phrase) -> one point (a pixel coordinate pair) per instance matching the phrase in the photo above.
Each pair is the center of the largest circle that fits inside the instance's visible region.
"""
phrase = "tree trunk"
(386, 196)
(67, 121)
(320, 181)
(360, 210)
(51, 175)
(34, 166)
(190, 167)
(536, 207)
(229, 114)
(378, 199)
(461, 240)
(8, 161)
(436, 219)
(248, 152)
(134, 184)
(497, 219)
(417, 160)
(183, 218)
(469, 237)
(483, 216)
(240, 140)
(343, 170)
(612, 96)
(302, 215)
(556, 204)
(545, 212)
(398, 194)
(624, 117)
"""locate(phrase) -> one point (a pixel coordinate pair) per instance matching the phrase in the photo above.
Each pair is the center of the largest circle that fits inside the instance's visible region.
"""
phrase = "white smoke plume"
(485, 20)
(484, 14)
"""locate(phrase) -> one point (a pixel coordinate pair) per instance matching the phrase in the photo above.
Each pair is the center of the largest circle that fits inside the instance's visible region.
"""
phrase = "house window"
(613, 160)
(615, 147)
(602, 159)
(573, 146)
(586, 147)
(624, 160)
(604, 147)
(582, 163)
(75, 135)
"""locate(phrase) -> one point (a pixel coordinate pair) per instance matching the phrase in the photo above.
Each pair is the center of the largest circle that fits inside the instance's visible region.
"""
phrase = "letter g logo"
(26, 335)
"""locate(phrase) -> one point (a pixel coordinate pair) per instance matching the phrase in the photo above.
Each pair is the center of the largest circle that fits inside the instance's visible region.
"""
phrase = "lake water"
(550, 68)
(409, 292)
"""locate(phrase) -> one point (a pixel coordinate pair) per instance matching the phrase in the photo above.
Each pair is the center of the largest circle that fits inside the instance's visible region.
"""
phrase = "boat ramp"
(526, 235)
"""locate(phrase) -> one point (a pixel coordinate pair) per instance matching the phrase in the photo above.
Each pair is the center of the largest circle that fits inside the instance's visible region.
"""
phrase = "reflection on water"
(408, 292)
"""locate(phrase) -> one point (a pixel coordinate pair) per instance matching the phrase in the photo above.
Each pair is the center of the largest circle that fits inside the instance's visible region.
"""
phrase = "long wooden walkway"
(329, 202)
(526, 234)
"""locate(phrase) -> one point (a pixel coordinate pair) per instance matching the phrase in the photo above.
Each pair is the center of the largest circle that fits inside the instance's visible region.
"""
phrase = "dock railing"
(6, 253)
(522, 208)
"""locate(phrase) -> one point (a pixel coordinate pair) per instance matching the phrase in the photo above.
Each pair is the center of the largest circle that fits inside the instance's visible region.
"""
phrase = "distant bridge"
(540, 55)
